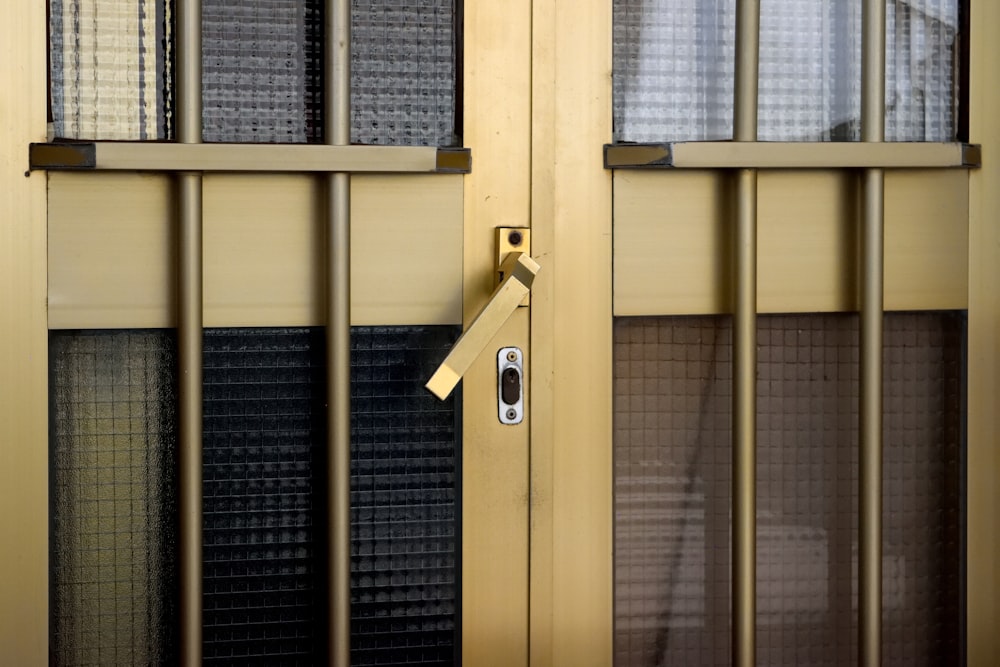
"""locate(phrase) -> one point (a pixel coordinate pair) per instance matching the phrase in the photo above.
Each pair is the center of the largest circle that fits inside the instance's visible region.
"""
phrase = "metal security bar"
(870, 409)
(744, 499)
(337, 132)
(190, 333)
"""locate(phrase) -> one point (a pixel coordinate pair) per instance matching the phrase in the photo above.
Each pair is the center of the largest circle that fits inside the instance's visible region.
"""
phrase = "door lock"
(518, 271)
(510, 385)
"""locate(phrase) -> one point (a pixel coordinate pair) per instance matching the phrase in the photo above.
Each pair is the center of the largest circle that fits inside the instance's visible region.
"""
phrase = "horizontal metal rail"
(791, 155)
(155, 156)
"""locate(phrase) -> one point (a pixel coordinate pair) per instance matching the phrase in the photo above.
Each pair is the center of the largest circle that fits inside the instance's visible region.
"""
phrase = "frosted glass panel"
(110, 68)
(674, 60)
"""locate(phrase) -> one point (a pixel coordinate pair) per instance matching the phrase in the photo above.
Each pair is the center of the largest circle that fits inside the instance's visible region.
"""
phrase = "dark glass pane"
(674, 62)
(263, 434)
(673, 476)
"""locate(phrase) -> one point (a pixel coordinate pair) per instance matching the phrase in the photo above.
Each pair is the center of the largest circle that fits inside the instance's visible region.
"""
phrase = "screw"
(511, 414)
(512, 356)
(515, 238)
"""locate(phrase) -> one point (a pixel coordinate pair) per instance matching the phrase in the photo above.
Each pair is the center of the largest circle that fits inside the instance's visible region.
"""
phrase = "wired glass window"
(111, 74)
(674, 62)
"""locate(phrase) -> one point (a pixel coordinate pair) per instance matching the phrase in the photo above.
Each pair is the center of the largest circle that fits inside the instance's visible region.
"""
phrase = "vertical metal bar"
(870, 408)
(337, 131)
(189, 333)
(745, 345)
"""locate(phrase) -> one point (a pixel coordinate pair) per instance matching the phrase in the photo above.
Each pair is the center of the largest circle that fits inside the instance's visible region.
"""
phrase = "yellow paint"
(983, 570)
(23, 348)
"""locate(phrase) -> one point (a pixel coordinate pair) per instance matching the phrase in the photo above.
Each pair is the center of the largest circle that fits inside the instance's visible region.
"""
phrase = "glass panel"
(404, 499)
(113, 513)
(114, 491)
(674, 59)
(403, 72)
(262, 70)
(672, 490)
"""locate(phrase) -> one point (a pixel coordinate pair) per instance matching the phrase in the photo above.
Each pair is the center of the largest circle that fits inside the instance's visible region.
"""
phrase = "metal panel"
(110, 250)
(671, 247)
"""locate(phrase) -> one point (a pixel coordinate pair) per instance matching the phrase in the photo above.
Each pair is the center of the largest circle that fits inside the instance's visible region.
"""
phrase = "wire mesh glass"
(262, 70)
(674, 63)
(672, 444)
(114, 565)
(113, 504)
(110, 68)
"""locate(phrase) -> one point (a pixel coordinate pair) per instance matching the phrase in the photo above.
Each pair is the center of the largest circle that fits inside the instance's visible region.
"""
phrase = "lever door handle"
(518, 271)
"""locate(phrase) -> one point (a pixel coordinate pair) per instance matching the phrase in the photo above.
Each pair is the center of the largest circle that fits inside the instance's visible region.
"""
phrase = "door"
(189, 368)
(538, 582)
(679, 591)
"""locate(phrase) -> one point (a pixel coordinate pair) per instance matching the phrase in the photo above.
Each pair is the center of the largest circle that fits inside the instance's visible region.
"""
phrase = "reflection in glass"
(674, 60)
(113, 447)
(672, 446)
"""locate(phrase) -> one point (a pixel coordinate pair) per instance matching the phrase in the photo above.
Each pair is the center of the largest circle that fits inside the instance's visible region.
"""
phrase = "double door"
(539, 536)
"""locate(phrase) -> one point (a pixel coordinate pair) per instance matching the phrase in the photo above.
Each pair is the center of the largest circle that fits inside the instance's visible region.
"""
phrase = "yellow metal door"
(537, 533)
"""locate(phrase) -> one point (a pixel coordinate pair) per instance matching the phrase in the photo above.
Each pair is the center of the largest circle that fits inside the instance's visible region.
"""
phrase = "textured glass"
(262, 73)
(262, 70)
(674, 60)
(264, 443)
(403, 72)
(110, 68)
(113, 511)
(672, 446)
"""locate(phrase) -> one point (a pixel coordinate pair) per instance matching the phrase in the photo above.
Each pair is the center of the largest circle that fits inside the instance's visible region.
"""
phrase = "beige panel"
(571, 559)
(671, 247)
(23, 356)
(983, 521)
(111, 250)
(806, 260)
(669, 242)
(497, 108)
(926, 240)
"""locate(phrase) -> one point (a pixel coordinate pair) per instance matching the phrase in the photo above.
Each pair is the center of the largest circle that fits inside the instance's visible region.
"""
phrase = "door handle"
(518, 271)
